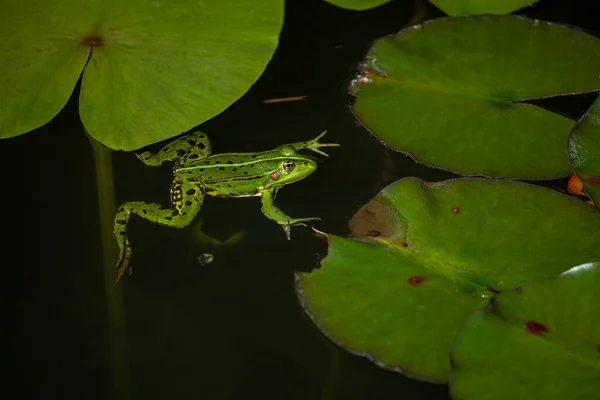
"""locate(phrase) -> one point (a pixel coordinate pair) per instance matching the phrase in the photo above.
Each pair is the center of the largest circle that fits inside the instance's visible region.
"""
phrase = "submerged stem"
(113, 294)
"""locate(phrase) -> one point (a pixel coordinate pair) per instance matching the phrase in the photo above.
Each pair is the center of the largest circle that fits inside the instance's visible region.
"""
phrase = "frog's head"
(292, 168)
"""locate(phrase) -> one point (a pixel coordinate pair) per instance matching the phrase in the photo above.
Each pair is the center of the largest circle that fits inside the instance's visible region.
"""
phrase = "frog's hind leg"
(186, 200)
(189, 147)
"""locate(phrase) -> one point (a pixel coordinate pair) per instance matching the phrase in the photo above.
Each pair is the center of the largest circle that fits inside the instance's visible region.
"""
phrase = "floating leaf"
(584, 151)
(156, 69)
(357, 4)
(450, 92)
(539, 341)
(466, 7)
(426, 255)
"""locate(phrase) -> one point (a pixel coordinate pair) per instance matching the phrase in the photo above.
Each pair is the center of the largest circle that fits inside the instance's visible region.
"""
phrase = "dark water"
(232, 329)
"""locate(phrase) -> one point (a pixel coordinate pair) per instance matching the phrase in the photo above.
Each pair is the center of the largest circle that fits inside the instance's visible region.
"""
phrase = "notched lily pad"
(424, 256)
(584, 151)
(451, 92)
(156, 69)
(541, 340)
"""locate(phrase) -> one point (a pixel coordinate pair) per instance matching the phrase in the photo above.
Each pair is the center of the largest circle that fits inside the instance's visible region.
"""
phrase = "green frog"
(197, 173)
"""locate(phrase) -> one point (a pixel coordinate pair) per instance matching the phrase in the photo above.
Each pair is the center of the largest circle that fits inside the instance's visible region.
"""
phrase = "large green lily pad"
(466, 7)
(424, 256)
(156, 69)
(539, 341)
(584, 151)
(449, 92)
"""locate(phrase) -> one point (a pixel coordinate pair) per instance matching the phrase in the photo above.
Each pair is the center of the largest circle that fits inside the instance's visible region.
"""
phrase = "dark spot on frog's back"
(188, 203)
(180, 152)
(191, 142)
(201, 146)
(254, 156)
(229, 162)
(121, 222)
(193, 156)
(221, 168)
(191, 192)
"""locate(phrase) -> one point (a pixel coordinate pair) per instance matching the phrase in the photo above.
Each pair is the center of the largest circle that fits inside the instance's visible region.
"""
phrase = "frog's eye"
(288, 166)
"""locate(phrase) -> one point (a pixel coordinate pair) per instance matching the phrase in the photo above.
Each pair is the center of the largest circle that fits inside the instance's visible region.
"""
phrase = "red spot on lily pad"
(456, 209)
(415, 280)
(594, 180)
(405, 245)
(535, 328)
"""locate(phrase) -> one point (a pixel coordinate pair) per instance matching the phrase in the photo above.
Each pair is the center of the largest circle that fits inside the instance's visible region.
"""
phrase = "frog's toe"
(287, 228)
(123, 262)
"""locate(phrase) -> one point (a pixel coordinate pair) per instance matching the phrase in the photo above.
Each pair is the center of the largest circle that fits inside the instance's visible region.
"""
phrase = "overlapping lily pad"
(451, 93)
(584, 151)
(156, 68)
(424, 256)
(466, 7)
(540, 341)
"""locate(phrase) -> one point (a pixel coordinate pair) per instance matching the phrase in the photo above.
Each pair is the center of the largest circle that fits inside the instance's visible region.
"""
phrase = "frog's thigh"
(185, 208)
(192, 146)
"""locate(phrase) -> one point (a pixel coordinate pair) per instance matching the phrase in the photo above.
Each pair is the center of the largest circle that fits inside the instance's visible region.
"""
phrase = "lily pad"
(584, 151)
(539, 341)
(450, 92)
(358, 5)
(424, 256)
(465, 7)
(156, 69)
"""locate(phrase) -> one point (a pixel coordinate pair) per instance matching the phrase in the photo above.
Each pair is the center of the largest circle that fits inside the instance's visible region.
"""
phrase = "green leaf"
(42, 55)
(357, 4)
(539, 341)
(584, 151)
(156, 69)
(465, 7)
(450, 92)
(424, 256)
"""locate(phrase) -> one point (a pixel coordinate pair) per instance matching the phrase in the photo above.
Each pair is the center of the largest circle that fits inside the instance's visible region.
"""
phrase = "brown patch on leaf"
(377, 219)
(93, 40)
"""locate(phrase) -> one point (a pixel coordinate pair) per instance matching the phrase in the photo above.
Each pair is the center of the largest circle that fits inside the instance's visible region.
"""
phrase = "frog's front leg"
(186, 200)
(275, 214)
(186, 148)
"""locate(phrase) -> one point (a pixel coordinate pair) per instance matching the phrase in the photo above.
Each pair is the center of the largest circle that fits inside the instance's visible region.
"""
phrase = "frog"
(197, 173)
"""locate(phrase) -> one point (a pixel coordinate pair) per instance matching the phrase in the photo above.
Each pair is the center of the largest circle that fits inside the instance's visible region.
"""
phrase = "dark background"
(232, 329)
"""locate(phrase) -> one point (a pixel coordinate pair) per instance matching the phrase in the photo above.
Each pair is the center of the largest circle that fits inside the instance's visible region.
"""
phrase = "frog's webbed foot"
(287, 228)
(314, 145)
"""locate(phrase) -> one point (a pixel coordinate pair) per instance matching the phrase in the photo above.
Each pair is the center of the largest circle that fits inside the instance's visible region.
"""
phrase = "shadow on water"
(231, 329)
